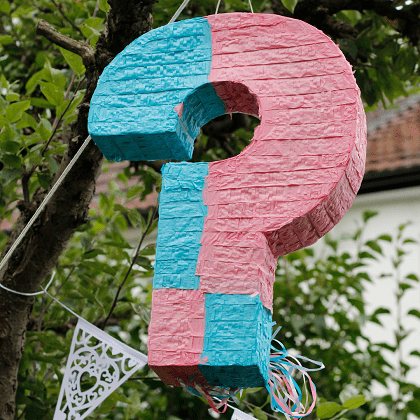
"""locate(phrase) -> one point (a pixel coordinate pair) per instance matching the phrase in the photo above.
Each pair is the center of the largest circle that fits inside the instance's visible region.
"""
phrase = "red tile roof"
(394, 136)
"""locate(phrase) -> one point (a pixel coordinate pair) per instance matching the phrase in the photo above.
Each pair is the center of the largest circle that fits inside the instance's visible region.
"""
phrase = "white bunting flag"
(240, 415)
(96, 361)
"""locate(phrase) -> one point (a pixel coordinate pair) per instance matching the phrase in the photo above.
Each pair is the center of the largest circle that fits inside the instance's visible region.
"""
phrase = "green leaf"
(90, 26)
(36, 410)
(74, 61)
(53, 94)
(414, 312)
(94, 40)
(56, 77)
(12, 160)
(119, 207)
(43, 179)
(15, 111)
(23, 10)
(33, 81)
(72, 108)
(4, 82)
(382, 311)
(143, 261)
(359, 304)
(135, 217)
(386, 346)
(27, 121)
(374, 245)
(6, 39)
(364, 254)
(109, 404)
(414, 407)
(412, 277)
(103, 267)
(385, 238)
(53, 165)
(10, 146)
(415, 353)
(253, 390)
(354, 402)
(328, 409)
(9, 175)
(103, 5)
(46, 339)
(12, 97)
(368, 214)
(405, 286)
(134, 191)
(259, 414)
(92, 253)
(290, 4)
(41, 103)
(5, 7)
(88, 294)
(352, 48)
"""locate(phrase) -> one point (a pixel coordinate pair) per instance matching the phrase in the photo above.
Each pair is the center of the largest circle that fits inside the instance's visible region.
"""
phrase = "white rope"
(250, 6)
(43, 204)
(44, 292)
(178, 12)
(62, 304)
(30, 294)
(185, 2)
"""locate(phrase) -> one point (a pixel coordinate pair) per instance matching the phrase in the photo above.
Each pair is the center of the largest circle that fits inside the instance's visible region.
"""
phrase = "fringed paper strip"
(94, 357)
(286, 395)
(217, 397)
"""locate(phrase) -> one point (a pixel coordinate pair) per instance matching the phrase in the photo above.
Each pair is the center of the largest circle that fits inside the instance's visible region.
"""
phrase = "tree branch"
(319, 13)
(77, 47)
(38, 252)
(60, 9)
(133, 261)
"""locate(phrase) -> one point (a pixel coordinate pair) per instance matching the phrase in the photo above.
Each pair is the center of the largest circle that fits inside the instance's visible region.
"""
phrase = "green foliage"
(290, 4)
(318, 302)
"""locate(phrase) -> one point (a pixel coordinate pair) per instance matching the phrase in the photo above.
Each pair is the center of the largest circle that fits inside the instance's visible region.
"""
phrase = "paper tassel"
(240, 415)
(286, 395)
(94, 354)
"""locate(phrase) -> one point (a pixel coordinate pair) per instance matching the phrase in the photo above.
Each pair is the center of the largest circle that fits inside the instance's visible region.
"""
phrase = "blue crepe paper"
(181, 222)
(132, 112)
(237, 341)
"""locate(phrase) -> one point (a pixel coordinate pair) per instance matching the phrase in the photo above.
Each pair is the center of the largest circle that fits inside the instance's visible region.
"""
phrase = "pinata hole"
(222, 107)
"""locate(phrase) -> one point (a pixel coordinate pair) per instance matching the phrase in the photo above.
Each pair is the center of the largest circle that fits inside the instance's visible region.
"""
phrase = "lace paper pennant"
(97, 365)
(240, 415)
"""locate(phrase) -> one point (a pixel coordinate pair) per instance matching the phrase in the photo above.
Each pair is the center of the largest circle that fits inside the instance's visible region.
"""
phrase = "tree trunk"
(36, 256)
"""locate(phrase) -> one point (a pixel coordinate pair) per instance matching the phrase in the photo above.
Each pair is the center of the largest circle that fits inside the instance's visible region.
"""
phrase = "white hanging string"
(185, 2)
(62, 304)
(178, 12)
(43, 204)
(30, 294)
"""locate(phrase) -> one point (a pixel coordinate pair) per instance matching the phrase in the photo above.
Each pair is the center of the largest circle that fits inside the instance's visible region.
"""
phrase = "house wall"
(395, 208)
